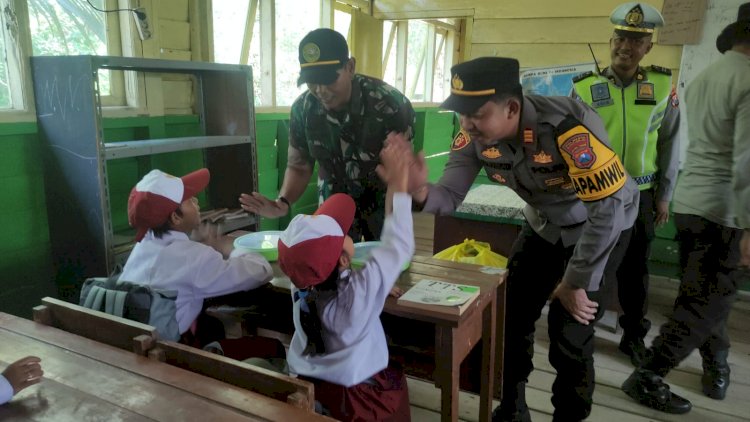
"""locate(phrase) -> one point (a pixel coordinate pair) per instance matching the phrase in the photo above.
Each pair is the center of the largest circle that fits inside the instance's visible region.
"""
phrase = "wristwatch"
(286, 201)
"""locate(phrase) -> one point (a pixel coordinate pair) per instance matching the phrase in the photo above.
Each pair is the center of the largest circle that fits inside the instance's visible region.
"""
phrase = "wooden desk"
(87, 380)
(455, 335)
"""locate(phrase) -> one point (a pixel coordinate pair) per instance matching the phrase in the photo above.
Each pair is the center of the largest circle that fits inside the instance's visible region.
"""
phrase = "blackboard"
(695, 58)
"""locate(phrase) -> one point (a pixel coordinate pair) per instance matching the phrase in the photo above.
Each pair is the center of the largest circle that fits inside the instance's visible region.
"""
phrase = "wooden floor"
(612, 367)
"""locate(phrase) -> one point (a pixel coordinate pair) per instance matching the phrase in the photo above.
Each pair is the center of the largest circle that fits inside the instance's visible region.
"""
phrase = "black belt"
(642, 180)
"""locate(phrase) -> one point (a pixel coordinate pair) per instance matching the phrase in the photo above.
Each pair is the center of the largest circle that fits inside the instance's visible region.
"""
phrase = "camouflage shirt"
(346, 144)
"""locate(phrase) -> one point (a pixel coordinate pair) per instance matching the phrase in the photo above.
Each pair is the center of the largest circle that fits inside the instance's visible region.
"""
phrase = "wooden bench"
(99, 326)
(296, 392)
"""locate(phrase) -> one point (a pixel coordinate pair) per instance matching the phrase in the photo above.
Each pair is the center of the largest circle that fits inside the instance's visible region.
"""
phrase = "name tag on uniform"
(645, 93)
(600, 95)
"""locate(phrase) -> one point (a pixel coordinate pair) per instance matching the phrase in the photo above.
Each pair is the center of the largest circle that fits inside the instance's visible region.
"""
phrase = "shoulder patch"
(461, 141)
(594, 168)
(660, 69)
(582, 76)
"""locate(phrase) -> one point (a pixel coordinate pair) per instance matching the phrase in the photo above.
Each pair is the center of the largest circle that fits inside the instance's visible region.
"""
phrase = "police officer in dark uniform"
(340, 122)
(638, 106)
(552, 151)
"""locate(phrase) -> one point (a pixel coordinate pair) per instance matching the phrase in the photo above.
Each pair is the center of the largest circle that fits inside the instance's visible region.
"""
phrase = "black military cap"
(735, 32)
(474, 82)
(321, 53)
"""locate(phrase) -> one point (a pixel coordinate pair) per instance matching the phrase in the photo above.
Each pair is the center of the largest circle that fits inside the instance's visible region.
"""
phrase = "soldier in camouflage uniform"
(341, 122)
(553, 152)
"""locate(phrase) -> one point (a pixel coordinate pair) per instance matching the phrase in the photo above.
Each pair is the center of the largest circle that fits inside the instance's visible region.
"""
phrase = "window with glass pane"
(70, 27)
(294, 19)
(415, 60)
(439, 76)
(342, 22)
(229, 21)
(229, 18)
(389, 49)
(5, 96)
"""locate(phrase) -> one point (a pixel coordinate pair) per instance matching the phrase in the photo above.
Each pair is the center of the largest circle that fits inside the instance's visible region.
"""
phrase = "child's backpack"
(155, 307)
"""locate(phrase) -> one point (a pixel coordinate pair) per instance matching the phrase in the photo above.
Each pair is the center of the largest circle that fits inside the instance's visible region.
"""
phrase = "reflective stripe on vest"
(634, 139)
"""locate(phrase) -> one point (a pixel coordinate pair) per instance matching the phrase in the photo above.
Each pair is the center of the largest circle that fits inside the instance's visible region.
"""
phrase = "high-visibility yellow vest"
(632, 116)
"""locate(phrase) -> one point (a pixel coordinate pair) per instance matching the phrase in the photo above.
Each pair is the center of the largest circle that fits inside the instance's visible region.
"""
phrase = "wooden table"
(87, 380)
(456, 335)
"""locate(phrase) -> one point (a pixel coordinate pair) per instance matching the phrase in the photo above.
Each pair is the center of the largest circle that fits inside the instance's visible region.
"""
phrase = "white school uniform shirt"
(6, 390)
(196, 271)
(355, 343)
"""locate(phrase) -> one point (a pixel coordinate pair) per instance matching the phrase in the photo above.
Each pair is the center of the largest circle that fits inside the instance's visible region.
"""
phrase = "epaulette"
(583, 76)
(660, 69)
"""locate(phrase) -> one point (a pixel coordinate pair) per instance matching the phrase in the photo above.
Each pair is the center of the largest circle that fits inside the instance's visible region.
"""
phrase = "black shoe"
(715, 380)
(523, 415)
(633, 347)
(650, 390)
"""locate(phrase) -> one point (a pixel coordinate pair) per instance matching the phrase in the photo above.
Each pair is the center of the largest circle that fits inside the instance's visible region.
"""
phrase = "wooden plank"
(540, 55)
(174, 34)
(94, 325)
(102, 389)
(253, 378)
(541, 30)
(176, 10)
(203, 388)
(493, 8)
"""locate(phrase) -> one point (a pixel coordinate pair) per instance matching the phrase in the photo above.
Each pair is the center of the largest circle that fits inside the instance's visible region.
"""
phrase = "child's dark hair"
(161, 230)
(309, 317)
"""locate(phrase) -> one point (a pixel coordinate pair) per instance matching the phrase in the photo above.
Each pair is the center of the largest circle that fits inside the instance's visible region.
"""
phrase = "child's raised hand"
(395, 158)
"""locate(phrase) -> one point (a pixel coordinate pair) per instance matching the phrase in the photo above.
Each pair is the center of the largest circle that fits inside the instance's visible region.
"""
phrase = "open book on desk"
(427, 294)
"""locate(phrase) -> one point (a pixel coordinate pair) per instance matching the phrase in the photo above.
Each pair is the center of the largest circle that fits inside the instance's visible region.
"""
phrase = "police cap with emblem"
(475, 82)
(321, 53)
(736, 32)
(635, 20)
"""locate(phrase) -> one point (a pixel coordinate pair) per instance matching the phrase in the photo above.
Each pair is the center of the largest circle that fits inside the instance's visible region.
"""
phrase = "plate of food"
(265, 243)
(362, 252)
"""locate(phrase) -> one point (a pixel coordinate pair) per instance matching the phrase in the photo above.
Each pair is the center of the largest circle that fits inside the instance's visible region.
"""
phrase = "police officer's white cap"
(635, 18)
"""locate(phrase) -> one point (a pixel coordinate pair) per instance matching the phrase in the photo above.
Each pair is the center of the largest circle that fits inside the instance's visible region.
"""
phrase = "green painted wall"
(26, 272)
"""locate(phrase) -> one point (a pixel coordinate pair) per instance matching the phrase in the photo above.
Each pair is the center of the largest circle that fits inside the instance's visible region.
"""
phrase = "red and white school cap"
(310, 247)
(158, 194)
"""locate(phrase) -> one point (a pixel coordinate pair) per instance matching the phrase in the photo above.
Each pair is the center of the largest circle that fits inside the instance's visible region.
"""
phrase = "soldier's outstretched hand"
(259, 204)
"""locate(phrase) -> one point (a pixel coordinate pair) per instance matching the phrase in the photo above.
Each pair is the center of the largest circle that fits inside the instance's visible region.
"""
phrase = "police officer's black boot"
(715, 380)
(648, 389)
(632, 343)
(513, 407)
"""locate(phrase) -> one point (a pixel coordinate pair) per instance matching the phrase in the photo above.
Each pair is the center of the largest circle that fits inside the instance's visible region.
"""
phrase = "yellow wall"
(536, 32)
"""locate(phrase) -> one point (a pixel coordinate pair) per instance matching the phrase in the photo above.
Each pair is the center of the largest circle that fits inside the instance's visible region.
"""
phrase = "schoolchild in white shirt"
(164, 210)
(339, 343)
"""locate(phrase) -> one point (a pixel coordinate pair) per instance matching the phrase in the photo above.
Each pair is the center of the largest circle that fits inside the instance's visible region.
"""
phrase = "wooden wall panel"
(506, 9)
(174, 9)
(543, 30)
(539, 55)
(174, 34)
(536, 32)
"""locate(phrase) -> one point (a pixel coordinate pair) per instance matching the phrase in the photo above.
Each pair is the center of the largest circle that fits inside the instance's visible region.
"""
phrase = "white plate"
(265, 243)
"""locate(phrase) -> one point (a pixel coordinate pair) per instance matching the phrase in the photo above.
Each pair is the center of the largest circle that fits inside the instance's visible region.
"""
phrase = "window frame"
(20, 49)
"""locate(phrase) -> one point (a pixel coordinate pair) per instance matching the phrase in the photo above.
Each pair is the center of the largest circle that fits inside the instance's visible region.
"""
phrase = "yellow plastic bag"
(473, 252)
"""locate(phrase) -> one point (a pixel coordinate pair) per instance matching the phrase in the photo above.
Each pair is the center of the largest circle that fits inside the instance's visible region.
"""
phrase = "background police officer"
(638, 106)
(341, 122)
(552, 151)
(712, 216)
